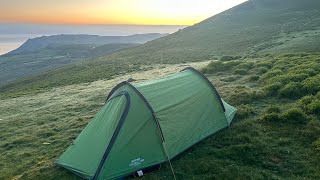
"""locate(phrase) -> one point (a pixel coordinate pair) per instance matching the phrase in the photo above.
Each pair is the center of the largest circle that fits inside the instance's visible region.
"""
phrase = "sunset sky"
(144, 12)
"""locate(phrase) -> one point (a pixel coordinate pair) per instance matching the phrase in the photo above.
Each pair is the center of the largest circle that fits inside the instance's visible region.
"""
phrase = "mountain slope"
(254, 27)
(44, 41)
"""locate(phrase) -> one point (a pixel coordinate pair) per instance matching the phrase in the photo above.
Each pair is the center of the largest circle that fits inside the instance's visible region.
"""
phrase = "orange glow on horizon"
(141, 12)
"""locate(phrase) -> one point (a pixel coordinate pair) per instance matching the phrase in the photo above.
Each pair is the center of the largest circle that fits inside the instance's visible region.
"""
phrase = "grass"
(68, 75)
(271, 137)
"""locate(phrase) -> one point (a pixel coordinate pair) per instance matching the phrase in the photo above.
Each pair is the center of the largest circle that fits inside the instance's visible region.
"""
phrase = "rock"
(131, 80)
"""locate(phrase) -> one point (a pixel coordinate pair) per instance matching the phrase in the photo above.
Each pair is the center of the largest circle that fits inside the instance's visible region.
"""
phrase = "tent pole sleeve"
(116, 132)
(143, 99)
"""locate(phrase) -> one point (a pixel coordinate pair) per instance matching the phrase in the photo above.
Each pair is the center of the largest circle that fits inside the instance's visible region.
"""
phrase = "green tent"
(145, 124)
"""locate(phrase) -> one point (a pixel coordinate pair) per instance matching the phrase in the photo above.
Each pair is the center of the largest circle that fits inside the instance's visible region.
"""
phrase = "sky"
(138, 12)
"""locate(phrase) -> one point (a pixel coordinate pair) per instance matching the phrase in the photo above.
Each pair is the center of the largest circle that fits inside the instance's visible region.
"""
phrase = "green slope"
(254, 26)
(275, 134)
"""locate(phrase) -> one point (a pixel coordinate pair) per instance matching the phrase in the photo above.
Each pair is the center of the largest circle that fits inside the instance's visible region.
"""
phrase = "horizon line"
(120, 24)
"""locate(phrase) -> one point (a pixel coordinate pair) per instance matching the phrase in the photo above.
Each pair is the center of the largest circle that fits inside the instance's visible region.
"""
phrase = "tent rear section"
(188, 108)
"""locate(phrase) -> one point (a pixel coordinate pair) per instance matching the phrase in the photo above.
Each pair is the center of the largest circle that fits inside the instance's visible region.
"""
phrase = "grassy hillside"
(254, 27)
(275, 134)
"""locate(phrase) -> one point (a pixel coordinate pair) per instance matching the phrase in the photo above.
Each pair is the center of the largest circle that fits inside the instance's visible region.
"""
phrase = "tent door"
(117, 130)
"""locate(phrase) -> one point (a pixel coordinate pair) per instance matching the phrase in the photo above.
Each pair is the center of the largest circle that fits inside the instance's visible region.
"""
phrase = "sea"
(13, 35)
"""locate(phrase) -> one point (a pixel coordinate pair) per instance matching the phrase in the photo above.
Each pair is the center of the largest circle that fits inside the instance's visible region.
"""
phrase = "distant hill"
(44, 41)
(13, 66)
(254, 27)
(49, 52)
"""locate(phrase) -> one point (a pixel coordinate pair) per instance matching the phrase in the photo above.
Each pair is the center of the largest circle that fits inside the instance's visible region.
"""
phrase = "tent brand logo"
(136, 162)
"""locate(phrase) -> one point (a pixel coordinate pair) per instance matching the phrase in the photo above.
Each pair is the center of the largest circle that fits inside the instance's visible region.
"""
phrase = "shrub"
(257, 94)
(244, 111)
(246, 65)
(273, 109)
(288, 55)
(287, 78)
(293, 90)
(272, 117)
(218, 66)
(230, 78)
(310, 104)
(254, 78)
(301, 70)
(264, 64)
(316, 144)
(314, 107)
(312, 85)
(240, 71)
(245, 95)
(262, 70)
(272, 73)
(294, 116)
(305, 101)
(283, 65)
(272, 89)
(229, 58)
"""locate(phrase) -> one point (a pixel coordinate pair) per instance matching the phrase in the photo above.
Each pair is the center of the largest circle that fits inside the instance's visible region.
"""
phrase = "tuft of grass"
(293, 90)
(244, 111)
(272, 117)
(218, 66)
(240, 71)
(254, 78)
(294, 116)
(311, 104)
(273, 109)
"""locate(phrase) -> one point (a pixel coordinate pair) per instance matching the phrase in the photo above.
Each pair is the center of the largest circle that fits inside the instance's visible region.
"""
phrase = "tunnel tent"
(147, 123)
